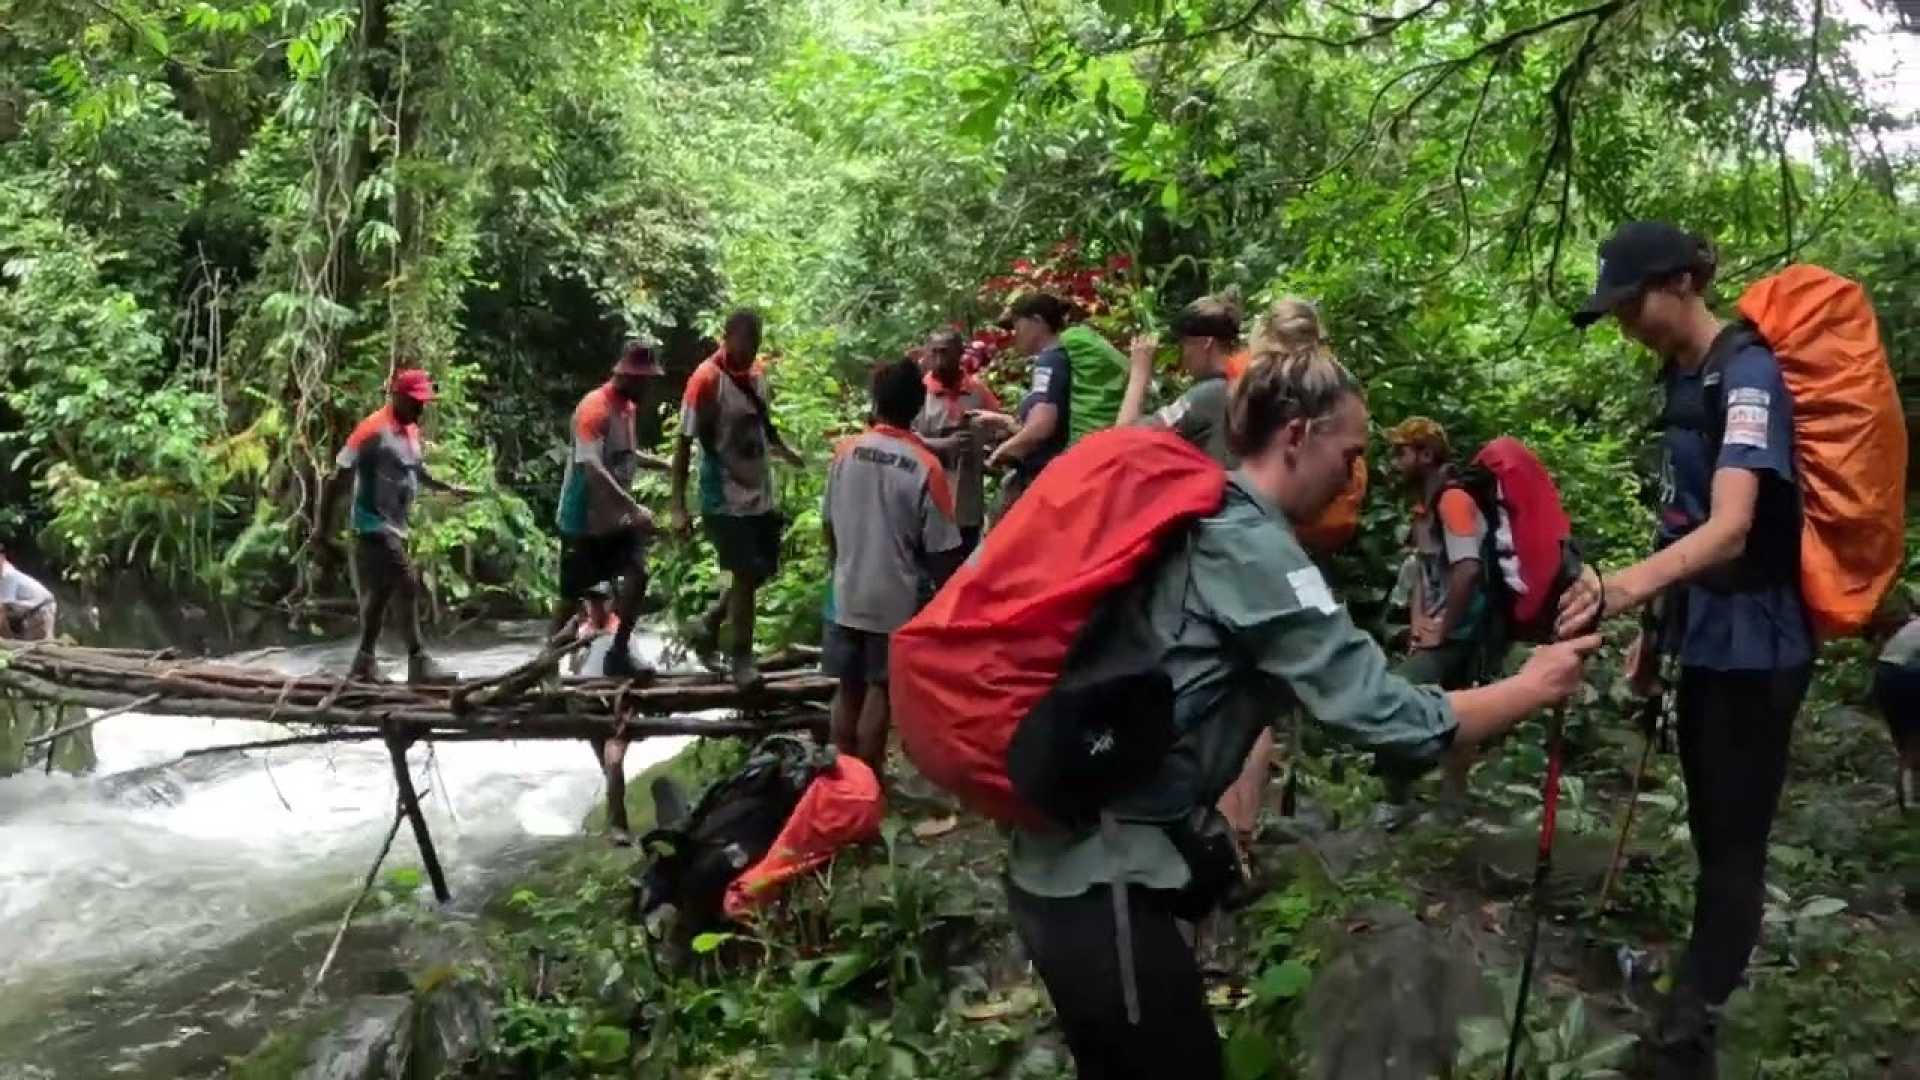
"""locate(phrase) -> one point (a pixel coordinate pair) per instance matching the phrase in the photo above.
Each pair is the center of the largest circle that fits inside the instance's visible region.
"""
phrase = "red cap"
(414, 383)
(636, 358)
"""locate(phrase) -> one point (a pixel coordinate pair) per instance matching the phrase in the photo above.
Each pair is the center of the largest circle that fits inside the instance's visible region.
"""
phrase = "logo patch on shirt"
(1747, 425)
(1312, 591)
(1042, 378)
(1174, 413)
(1748, 395)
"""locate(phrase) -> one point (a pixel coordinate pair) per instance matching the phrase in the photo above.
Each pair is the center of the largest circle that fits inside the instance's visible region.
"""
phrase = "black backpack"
(692, 856)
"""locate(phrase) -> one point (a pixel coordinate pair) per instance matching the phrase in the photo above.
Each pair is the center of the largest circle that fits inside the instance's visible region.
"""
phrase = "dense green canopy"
(221, 223)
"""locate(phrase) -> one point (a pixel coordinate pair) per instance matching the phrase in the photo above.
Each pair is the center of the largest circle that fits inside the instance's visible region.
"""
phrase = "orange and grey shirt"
(945, 411)
(889, 507)
(602, 432)
(718, 410)
(384, 455)
(1456, 537)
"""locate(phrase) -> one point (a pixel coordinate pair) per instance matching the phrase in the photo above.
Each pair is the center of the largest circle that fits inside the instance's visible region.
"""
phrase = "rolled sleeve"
(1758, 433)
(1276, 607)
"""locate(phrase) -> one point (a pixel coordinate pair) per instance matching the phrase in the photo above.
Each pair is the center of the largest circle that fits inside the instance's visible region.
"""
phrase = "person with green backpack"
(1044, 418)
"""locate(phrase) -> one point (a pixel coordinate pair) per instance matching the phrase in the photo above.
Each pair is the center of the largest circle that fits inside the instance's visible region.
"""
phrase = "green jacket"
(1249, 629)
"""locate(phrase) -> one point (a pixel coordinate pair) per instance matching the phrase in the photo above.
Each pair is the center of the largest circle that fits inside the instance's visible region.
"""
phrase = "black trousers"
(1734, 727)
(1074, 947)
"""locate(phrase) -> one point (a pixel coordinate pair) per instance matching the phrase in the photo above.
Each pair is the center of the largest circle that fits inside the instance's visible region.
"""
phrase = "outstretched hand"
(1140, 353)
(1582, 606)
(1555, 670)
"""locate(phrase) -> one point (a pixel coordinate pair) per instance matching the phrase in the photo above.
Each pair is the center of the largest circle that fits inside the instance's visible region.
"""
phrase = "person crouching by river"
(382, 459)
(604, 533)
(1245, 624)
(27, 609)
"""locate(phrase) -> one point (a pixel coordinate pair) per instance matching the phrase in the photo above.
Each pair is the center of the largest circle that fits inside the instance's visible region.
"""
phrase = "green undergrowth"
(899, 960)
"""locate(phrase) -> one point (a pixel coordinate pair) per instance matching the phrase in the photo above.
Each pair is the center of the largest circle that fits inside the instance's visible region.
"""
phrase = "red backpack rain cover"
(1531, 536)
(973, 663)
(842, 806)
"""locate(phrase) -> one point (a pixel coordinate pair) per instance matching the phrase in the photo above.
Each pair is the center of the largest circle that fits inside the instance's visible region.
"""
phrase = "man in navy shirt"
(1725, 573)
(1043, 417)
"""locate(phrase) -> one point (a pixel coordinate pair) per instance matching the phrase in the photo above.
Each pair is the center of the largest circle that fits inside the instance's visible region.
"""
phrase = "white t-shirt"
(17, 590)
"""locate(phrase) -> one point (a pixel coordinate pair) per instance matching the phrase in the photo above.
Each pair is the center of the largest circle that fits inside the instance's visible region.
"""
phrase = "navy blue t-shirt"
(1761, 628)
(1052, 383)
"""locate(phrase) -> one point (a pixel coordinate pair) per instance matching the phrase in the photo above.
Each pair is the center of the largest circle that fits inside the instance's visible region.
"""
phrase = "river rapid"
(159, 916)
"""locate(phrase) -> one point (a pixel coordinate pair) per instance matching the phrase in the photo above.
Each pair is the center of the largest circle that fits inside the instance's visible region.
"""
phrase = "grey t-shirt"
(384, 455)
(889, 505)
(1200, 417)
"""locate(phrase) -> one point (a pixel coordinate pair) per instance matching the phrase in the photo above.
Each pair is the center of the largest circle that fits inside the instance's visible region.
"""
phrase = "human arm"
(1042, 420)
(782, 450)
(650, 462)
(1718, 541)
(601, 478)
(1756, 447)
(1133, 404)
(1278, 612)
(434, 483)
(677, 479)
(331, 492)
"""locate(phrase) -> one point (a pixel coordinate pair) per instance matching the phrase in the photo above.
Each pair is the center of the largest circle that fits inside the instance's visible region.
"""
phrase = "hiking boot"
(1686, 1038)
(365, 668)
(746, 674)
(424, 670)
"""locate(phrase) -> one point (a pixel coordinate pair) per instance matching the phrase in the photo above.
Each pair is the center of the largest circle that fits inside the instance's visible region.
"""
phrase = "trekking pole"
(1650, 717)
(1543, 862)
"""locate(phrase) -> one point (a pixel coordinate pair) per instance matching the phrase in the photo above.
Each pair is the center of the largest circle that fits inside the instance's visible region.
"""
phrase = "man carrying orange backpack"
(1751, 447)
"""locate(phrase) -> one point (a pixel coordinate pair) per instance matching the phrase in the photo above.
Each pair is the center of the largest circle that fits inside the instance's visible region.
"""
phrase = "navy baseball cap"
(1637, 254)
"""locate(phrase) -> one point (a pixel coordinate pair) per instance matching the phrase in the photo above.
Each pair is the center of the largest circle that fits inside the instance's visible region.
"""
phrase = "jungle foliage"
(223, 223)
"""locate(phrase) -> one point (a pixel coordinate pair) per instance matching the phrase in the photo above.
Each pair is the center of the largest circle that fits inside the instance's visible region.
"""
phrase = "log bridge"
(524, 703)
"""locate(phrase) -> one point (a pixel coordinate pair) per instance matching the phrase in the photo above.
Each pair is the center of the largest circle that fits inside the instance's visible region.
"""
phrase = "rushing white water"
(131, 876)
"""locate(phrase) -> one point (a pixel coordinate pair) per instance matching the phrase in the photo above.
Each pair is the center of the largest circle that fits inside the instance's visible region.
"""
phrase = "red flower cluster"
(1090, 287)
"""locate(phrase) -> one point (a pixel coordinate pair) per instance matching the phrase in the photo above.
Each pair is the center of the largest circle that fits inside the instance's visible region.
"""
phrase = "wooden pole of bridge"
(410, 802)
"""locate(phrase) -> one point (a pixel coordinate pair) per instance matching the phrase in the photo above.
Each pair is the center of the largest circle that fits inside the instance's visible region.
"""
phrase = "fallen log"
(97, 679)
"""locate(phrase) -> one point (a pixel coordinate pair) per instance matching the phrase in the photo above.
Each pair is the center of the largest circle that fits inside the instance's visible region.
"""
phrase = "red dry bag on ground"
(1849, 440)
(842, 806)
(1530, 559)
(973, 664)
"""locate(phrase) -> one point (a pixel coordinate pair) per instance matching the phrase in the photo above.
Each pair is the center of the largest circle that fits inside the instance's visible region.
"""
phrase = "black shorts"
(380, 560)
(748, 545)
(586, 561)
(856, 656)
(1896, 692)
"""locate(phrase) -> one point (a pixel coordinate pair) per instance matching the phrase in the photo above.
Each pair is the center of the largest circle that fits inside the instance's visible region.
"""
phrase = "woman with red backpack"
(1239, 622)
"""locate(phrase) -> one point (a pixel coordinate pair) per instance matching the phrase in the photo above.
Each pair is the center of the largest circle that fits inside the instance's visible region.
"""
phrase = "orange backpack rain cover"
(973, 663)
(843, 805)
(1850, 440)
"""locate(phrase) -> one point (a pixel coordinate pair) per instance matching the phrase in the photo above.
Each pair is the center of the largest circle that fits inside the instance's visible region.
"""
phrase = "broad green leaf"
(1282, 982)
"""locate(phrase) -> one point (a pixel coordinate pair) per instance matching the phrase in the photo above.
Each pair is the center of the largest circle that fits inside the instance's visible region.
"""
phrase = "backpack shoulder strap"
(1736, 336)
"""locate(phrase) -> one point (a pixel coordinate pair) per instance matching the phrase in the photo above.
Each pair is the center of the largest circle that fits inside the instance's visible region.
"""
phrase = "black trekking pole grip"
(1543, 864)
